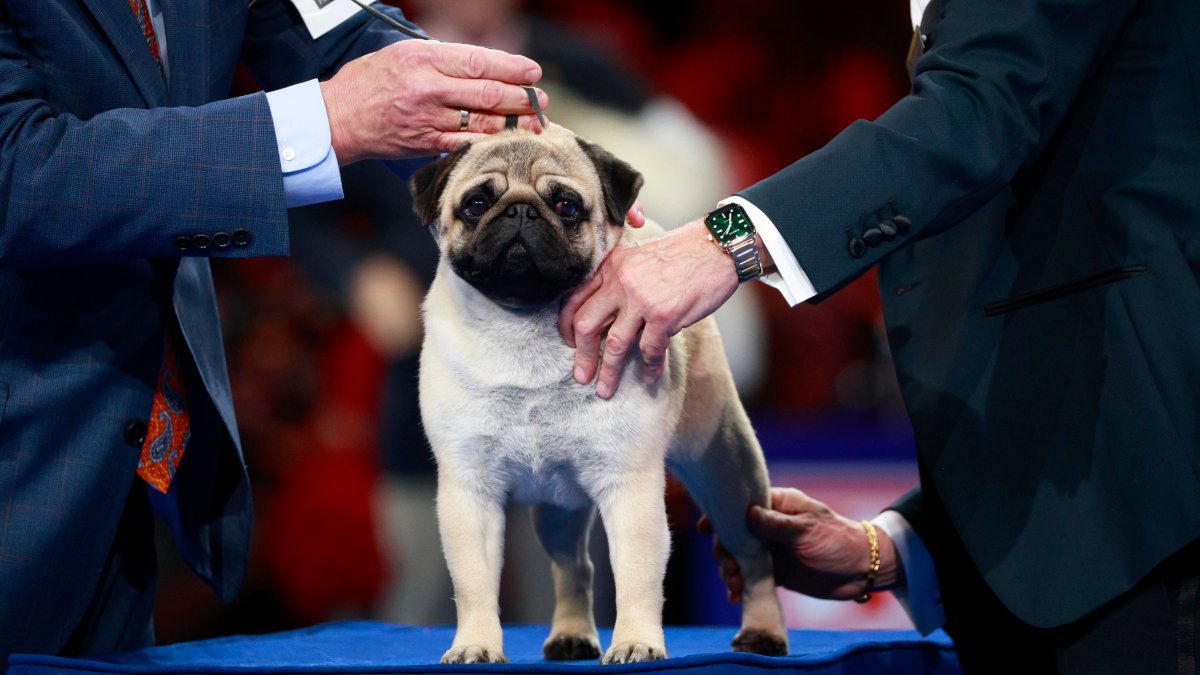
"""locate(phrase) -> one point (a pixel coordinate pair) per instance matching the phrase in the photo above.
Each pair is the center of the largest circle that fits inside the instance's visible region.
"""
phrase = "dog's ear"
(620, 181)
(428, 182)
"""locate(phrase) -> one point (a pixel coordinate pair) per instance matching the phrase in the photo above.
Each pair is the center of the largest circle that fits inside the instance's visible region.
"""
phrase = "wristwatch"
(730, 228)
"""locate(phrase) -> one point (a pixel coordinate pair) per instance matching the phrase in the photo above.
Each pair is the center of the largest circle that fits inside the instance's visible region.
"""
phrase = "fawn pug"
(521, 220)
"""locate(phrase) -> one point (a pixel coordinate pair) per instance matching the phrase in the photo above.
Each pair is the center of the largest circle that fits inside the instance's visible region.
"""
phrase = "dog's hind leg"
(471, 523)
(632, 506)
(564, 534)
(725, 478)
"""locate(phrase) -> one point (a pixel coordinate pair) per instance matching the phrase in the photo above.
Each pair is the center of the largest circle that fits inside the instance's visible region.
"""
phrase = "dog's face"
(525, 218)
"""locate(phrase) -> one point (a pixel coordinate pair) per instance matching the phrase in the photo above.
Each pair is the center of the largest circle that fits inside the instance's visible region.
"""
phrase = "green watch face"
(728, 223)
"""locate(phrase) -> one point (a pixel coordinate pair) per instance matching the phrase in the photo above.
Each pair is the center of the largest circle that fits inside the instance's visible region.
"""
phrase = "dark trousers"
(120, 615)
(1151, 629)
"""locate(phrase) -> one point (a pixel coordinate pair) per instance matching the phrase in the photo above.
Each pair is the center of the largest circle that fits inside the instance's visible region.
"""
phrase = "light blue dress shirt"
(310, 167)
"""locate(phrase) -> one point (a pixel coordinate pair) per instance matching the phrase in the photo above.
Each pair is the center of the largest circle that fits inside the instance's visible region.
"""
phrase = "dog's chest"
(555, 443)
(501, 408)
(542, 445)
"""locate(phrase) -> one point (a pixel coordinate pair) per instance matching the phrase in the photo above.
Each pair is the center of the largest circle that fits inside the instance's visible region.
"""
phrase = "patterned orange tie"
(170, 428)
(142, 12)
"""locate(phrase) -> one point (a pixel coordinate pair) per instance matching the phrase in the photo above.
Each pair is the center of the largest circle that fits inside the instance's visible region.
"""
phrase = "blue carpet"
(368, 647)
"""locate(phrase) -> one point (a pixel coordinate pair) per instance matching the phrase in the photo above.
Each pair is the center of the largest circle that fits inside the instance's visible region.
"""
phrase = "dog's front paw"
(762, 642)
(474, 654)
(571, 647)
(633, 652)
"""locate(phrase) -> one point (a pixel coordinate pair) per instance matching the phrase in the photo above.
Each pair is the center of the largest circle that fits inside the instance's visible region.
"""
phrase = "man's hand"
(405, 99)
(652, 288)
(817, 552)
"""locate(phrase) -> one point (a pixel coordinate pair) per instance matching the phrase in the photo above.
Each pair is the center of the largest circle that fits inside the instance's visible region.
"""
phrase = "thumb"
(773, 526)
(636, 217)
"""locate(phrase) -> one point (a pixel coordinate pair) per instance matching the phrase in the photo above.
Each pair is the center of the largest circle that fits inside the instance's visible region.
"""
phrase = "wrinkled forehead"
(512, 159)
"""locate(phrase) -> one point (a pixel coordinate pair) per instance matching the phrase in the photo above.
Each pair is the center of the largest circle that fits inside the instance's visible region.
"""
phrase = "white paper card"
(322, 16)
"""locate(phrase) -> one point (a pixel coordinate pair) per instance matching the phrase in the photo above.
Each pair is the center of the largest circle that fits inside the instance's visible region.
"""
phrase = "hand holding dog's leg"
(472, 528)
(817, 551)
(564, 535)
(639, 542)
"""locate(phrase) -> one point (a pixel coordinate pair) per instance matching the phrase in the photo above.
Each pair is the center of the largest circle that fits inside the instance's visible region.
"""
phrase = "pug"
(521, 220)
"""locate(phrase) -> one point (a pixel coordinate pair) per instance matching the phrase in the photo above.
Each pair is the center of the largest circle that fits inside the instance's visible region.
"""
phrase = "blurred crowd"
(703, 97)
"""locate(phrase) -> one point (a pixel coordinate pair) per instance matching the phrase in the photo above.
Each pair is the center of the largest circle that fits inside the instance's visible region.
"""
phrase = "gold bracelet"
(873, 567)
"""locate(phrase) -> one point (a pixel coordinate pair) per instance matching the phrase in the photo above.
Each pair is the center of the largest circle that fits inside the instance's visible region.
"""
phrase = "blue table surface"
(371, 647)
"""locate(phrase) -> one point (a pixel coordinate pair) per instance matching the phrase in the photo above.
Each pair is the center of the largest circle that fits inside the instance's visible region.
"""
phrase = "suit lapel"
(187, 30)
(118, 22)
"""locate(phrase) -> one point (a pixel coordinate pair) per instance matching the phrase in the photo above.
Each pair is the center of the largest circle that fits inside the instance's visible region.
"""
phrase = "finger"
(450, 141)
(793, 501)
(622, 335)
(729, 571)
(771, 525)
(480, 63)
(654, 352)
(636, 217)
(485, 122)
(491, 96)
(566, 316)
(704, 525)
(732, 576)
(718, 552)
(590, 321)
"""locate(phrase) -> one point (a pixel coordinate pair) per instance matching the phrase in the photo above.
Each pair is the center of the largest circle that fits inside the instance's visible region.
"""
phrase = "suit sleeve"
(129, 183)
(988, 95)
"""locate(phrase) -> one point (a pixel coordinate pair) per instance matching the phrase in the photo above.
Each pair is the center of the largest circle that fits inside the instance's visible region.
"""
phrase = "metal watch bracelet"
(746, 258)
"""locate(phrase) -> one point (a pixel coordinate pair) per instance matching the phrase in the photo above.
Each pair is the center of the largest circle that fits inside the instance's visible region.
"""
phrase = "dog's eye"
(567, 209)
(474, 207)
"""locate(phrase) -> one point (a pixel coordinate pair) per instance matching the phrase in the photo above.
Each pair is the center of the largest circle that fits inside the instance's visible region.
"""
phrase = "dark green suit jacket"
(1043, 308)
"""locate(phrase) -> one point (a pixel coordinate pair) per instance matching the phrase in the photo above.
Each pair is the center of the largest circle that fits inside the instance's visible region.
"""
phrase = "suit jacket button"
(241, 237)
(873, 237)
(201, 241)
(182, 243)
(135, 434)
(221, 240)
(888, 228)
(857, 248)
(902, 224)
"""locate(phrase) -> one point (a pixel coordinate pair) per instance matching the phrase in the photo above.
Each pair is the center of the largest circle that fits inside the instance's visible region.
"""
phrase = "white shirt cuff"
(310, 167)
(920, 594)
(789, 279)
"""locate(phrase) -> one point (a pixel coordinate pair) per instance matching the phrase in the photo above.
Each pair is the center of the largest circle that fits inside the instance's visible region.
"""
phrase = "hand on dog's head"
(522, 217)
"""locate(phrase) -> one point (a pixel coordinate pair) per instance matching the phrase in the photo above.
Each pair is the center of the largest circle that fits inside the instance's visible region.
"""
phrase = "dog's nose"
(528, 210)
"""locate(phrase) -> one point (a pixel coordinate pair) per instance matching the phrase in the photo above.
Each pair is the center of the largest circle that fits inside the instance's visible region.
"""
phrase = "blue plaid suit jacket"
(103, 166)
